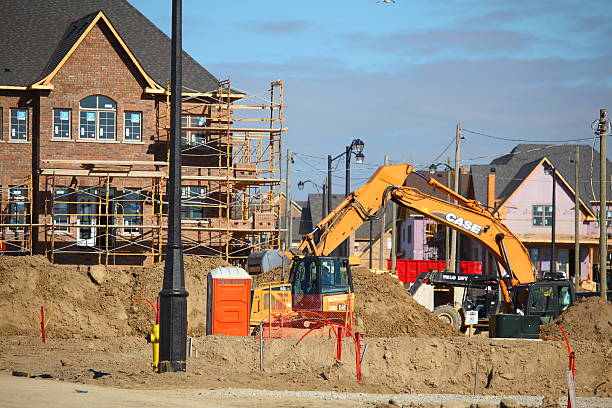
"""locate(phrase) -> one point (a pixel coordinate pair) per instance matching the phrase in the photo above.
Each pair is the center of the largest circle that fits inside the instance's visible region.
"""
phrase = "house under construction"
(85, 136)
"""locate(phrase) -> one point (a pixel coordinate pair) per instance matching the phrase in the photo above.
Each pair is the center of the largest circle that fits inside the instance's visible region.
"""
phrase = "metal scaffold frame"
(242, 186)
(231, 183)
(103, 216)
(16, 218)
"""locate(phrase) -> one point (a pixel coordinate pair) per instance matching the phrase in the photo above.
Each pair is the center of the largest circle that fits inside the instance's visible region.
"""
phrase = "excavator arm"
(474, 221)
(351, 213)
(469, 217)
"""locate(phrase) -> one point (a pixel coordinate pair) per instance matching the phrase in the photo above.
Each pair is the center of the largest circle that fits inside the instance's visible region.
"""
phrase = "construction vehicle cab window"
(317, 275)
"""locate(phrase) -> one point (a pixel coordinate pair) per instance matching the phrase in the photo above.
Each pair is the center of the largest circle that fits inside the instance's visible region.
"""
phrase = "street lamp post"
(551, 170)
(173, 296)
(301, 185)
(356, 148)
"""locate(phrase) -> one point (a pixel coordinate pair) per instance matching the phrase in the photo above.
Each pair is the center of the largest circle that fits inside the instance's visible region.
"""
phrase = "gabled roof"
(37, 35)
(511, 169)
(525, 173)
(73, 38)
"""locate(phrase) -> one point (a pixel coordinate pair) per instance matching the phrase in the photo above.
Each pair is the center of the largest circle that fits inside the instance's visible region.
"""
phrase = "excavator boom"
(476, 223)
(351, 213)
(467, 216)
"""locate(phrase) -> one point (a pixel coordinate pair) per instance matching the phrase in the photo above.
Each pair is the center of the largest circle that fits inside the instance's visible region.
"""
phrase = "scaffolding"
(103, 212)
(113, 212)
(16, 218)
(232, 155)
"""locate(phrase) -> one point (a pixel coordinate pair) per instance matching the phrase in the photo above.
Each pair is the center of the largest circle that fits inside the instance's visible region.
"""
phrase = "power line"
(525, 140)
(444, 151)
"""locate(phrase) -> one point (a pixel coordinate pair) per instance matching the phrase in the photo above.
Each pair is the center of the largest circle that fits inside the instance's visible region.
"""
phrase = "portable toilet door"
(228, 303)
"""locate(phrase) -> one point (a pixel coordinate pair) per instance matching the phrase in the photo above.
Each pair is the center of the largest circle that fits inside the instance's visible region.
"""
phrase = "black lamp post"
(301, 185)
(550, 169)
(356, 148)
(173, 296)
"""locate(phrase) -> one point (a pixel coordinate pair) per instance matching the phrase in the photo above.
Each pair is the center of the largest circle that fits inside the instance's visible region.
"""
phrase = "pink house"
(518, 187)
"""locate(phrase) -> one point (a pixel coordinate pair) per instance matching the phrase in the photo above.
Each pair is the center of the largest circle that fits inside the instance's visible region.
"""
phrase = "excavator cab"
(546, 299)
(321, 284)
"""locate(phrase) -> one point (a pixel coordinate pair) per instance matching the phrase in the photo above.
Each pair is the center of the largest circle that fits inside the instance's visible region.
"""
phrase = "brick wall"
(98, 67)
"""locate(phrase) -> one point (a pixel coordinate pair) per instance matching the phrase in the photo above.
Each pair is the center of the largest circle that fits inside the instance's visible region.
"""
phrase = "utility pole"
(324, 198)
(577, 220)
(173, 296)
(447, 228)
(383, 224)
(329, 193)
(329, 185)
(453, 245)
(370, 251)
(288, 217)
(393, 236)
(603, 242)
(553, 251)
(347, 192)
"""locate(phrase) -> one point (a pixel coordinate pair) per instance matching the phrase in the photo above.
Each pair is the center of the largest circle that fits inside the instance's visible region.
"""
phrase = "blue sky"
(401, 76)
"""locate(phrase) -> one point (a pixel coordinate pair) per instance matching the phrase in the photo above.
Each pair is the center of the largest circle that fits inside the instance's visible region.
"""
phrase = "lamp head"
(359, 158)
(357, 146)
(301, 185)
(433, 168)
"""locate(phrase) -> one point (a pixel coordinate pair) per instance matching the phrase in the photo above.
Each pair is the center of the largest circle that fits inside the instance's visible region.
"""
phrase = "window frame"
(13, 216)
(126, 128)
(26, 123)
(132, 221)
(188, 135)
(60, 192)
(188, 197)
(61, 130)
(544, 216)
(100, 118)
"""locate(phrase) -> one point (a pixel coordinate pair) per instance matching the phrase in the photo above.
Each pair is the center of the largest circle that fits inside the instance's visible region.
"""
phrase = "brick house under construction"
(84, 115)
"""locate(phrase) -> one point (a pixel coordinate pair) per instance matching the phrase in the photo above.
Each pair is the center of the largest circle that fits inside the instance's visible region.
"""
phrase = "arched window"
(97, 118)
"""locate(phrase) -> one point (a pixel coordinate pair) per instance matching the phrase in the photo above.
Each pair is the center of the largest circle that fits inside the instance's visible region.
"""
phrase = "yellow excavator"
(313, 271)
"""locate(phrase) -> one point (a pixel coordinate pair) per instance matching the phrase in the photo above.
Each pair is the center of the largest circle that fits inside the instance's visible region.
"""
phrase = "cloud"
(440, 42)
(279, 27)
(409, 112)
(505, 15)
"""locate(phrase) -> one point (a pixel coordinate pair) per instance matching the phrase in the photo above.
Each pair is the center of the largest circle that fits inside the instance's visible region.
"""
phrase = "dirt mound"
(385, 309)
(590, 319)
(272, 275)
(399, 365)
(78, 307)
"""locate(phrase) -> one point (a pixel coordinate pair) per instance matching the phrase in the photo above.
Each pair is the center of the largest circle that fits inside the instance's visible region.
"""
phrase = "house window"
(1, 121)
(61, 198)
(409, 237)
(132, 126)
(542, 215)
(132, 211)
(431, 229)
(19, 124)
(193, 137)
(17, 206)
(97, 118)
(192, 202)
(61, 123)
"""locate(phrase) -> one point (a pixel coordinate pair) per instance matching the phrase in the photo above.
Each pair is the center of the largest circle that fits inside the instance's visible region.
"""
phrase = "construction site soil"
(589, 319)
(95, 335)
